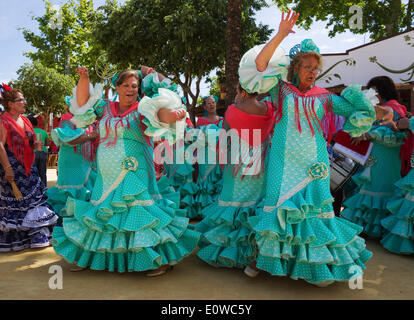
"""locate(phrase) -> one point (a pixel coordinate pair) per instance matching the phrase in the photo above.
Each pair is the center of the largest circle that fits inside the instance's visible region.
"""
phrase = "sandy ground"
(25, 275)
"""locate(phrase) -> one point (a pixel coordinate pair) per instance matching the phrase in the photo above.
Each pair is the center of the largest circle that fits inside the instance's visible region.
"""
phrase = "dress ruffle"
(317, 250)
(24, 223)
(359, 121)
(254, 81)
(57, 196)
(128, 231)
(228, 240)
(367, 211)
(314, 245)
(209, 188)
(149, 107)
(85, 116)
(151, 84)
(399, 226)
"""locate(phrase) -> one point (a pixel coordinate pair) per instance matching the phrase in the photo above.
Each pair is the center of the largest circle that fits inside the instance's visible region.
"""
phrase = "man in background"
(41, 155)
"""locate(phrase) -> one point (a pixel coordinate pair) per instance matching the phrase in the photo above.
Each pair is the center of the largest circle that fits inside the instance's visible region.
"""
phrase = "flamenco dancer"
(210, 176)
(383, 168)
(26, 220)
(399, 225)
(76, 164)
(296, 232)
(127, 225)
(228, 240)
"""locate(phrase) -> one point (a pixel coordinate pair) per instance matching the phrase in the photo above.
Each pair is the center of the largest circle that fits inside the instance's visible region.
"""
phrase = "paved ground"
(25, 275)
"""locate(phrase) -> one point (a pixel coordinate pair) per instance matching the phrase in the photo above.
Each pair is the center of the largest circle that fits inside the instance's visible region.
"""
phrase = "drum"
(342, 169)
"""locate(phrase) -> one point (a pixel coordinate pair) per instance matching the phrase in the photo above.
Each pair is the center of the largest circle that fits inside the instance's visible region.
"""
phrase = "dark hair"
(297, 61)
(126, 74)
(250, 94)
(9, 96)
(33, 120)
(385, 87)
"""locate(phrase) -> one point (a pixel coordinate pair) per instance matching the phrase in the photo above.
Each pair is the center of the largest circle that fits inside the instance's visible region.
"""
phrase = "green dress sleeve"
(253, 80)
(148, 107)
(66, 133)
(386, 136)
(85, 115)
(357, 108)
(151, 84)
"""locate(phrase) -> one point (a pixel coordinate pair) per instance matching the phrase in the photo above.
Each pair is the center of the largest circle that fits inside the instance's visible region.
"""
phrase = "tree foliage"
(183, 39)
(381, 18)
(65, 39)
(44, 88)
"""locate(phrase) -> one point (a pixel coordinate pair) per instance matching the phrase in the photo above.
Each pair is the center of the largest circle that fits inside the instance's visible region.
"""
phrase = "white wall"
(394, 53)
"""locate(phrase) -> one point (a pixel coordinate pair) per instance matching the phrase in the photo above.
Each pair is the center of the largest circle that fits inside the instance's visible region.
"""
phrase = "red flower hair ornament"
(5, 87)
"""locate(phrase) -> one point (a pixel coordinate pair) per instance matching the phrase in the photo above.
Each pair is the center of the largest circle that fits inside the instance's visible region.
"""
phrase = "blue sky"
(18, 13)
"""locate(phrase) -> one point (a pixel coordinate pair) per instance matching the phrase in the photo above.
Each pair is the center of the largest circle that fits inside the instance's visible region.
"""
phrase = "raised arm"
(82, 89)
(285, 28)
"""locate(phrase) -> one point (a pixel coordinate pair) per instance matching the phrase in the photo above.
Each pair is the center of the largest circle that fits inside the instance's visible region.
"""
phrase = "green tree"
(381, 18)
(44, 88)
(65, 40)
(183, 39)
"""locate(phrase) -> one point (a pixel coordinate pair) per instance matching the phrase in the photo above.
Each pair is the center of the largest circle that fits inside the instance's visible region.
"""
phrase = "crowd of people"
(116, 207)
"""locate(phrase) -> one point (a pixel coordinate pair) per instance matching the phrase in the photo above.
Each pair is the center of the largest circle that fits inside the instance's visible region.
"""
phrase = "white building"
(392, 57)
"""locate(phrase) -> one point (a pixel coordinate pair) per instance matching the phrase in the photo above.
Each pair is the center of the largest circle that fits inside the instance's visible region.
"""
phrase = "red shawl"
(20, 141)
(205, 122)
(237, 120)
(309, 97)
(408, 146)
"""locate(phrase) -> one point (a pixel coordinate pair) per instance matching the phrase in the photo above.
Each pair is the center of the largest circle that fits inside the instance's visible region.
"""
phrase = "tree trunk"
(392, 27)
(233, 31)
(408, 19)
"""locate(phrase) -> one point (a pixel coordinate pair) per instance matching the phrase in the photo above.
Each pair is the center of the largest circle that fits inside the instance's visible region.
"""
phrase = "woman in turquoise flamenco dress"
(227, 239)
(210, 176)
(76, 164)
(180, 172)
(127, 225)
(376, 181)
(296, 231)
(399, 225)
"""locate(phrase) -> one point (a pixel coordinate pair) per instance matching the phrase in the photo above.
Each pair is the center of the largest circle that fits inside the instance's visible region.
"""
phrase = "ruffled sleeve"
(252, 80)
(149, 107)
(386, 136)
(151, 84)
(87, 114)
(66, 133)
(357, 108)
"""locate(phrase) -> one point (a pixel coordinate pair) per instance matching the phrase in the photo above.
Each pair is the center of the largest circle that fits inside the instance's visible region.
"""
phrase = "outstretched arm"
(82, 89)
(285, 28)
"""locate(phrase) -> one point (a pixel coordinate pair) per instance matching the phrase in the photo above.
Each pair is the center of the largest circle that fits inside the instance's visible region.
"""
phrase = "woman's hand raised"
(83, 72)
(287, 24)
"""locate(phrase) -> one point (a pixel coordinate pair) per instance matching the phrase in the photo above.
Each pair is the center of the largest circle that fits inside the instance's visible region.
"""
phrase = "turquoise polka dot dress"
(127, 225)
(376, 181)
(399, 225)
(76, 172)
(296, 231)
